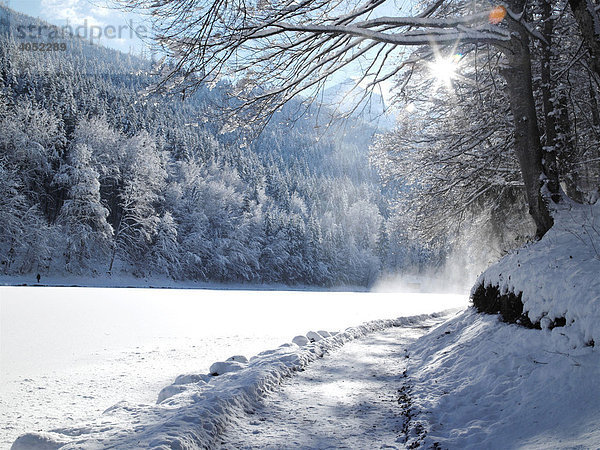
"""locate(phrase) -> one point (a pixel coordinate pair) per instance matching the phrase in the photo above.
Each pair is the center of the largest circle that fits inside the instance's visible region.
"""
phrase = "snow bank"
(193, 411)
(313, 336)
(559, 276)
(476, 382)
(300, 341)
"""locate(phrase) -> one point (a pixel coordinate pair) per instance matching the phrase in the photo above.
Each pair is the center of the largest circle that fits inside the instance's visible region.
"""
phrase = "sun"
(443, 69)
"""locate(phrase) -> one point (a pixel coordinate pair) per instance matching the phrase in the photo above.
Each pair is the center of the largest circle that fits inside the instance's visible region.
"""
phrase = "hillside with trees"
(102, 176)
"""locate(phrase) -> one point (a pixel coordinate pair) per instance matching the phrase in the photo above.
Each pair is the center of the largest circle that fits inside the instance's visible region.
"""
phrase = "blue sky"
(111, 27)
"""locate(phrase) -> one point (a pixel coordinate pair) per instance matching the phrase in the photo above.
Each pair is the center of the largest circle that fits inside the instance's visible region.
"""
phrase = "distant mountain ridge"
(349, 98)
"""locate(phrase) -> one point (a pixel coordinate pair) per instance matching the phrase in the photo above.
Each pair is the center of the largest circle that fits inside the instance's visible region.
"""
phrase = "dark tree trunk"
(566, 153)
(596, 122)
(589, 25)
(527, 136)
(550, 150)
(594, 106)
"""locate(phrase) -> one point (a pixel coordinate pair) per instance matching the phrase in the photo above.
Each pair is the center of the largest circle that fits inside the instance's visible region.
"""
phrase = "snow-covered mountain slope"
(298, 205)
(347, 97)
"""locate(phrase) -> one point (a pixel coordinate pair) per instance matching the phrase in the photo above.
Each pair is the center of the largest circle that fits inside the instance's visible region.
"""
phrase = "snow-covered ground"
(67, 354)
(471, 383)
(349, 399)
(476, 382)
(195, 410)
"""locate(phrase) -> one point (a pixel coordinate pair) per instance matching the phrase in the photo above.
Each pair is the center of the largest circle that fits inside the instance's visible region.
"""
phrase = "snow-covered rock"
(170, 391)
(238, 358)
(300, 341)
(325, 334)
(221, 367)
(188, 378)
(313, 336)
(41, 441)
(545, 323)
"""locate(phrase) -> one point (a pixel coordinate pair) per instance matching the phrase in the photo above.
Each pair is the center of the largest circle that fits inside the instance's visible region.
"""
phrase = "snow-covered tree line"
(97, 178)
(525, 115)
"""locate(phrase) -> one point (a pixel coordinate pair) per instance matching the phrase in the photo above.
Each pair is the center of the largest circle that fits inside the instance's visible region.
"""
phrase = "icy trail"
(349, 399)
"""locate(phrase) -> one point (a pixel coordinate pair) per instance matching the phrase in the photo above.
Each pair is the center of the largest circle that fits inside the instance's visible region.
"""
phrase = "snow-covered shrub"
(488, 299)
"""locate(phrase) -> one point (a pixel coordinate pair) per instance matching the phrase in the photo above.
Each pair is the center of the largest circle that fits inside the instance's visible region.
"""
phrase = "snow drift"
(559, 276)
(475, 382)
(193, 411)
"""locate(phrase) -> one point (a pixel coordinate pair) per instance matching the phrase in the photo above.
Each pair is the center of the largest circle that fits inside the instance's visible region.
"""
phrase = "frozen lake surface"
(67, 354)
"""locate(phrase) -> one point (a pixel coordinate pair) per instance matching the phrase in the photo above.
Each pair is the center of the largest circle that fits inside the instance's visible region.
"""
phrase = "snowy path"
(349, 399)
(68, 354)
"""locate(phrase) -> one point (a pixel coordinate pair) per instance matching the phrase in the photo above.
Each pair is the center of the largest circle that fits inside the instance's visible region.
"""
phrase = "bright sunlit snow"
(477, 383)
(70, 353)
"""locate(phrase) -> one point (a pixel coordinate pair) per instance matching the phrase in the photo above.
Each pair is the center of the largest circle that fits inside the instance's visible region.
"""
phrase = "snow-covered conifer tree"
(87, 233)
